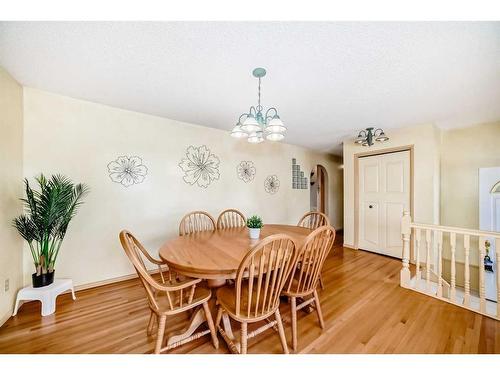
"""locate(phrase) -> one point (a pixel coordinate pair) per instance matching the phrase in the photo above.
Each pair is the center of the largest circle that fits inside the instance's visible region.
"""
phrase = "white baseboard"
(349, 246)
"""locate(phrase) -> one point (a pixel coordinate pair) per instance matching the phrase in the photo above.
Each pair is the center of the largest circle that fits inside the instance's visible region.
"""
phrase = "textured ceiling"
(328, 80)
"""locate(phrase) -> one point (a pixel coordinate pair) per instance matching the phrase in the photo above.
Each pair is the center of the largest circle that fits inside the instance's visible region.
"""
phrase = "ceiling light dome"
(255, 137)
(275, 125)
(274, 136)
(250, 124)
(366, 137)
(237, 132)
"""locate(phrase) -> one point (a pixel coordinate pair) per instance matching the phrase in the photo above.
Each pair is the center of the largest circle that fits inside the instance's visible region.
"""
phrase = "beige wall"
(464, 151)
(426, 142)
(79, 139)
(11, 145)
(446, 172)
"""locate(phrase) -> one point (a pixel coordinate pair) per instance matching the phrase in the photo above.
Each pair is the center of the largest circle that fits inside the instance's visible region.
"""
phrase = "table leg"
(197, 319)
(215, 283)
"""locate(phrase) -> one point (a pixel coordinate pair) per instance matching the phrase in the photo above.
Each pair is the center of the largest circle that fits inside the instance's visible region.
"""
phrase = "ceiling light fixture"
(254, 125)
(366, 137)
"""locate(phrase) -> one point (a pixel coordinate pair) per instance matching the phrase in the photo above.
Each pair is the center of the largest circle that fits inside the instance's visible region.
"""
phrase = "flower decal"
(246, 171)
(272, 184)
(200, 166)
(127, 170)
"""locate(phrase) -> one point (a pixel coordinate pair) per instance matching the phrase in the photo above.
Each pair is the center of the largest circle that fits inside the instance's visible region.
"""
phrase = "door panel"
(384, 193)
(371, 178)
(395, 177)
(394, 212)
(371, 223)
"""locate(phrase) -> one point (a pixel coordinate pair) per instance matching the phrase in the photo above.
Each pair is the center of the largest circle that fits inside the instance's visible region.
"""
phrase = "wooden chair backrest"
(263, 273)
(231, 218)
(313, 220)
(196, 221)
(175, 293)
(310, 259)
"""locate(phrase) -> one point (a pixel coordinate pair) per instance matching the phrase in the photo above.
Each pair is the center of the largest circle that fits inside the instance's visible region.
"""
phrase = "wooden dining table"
(215, 257)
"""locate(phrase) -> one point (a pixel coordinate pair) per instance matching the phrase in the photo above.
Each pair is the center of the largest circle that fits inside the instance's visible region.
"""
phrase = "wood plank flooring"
(364, 308)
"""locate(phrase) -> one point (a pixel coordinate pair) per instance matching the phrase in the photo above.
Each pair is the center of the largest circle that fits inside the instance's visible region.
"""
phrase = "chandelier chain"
(259, 107)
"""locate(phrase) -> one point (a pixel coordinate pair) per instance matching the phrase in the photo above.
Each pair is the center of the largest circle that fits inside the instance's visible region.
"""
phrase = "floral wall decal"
(246, 171)
(127, 170)
(200, 166)
(272, 184)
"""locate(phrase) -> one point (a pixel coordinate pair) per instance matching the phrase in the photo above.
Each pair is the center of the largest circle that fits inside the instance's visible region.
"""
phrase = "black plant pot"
(42, 280)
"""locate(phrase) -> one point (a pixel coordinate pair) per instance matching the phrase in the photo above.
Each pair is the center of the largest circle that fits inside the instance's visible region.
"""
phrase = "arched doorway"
(319, 189)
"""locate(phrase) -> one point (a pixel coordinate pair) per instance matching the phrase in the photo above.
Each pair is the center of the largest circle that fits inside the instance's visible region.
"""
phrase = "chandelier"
(254, 125)
(365, 137)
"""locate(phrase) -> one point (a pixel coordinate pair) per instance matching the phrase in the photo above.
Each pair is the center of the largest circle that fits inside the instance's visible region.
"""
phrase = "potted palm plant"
(254, 223)
(48, 213)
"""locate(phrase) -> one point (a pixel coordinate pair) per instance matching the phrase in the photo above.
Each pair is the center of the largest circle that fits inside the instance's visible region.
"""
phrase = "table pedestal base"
(179, 338)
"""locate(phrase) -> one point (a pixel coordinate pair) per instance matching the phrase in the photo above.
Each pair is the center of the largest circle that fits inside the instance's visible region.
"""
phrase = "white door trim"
(356, 185)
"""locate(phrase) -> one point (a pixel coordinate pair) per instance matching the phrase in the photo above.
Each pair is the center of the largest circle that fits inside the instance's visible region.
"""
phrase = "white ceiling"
(327, 79)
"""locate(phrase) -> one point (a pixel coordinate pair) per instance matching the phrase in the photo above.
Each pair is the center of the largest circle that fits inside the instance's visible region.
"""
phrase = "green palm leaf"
(48, 213)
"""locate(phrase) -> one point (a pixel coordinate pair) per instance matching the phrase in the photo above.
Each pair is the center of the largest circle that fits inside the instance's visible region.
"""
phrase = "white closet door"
(384, 193)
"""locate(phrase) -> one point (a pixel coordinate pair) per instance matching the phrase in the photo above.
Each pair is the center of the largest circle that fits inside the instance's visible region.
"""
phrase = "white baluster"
(418, 234)
(467, 271)
(482, 291)
(438, 235)
(428, 240)
(497, 251)
(453, 245)
(406, 233)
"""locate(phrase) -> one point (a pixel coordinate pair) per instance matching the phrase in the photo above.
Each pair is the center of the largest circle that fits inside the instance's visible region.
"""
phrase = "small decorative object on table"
(44, 225)
(254, 223)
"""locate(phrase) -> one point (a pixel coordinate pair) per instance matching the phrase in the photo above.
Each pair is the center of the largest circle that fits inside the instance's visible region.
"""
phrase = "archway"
(319, 189)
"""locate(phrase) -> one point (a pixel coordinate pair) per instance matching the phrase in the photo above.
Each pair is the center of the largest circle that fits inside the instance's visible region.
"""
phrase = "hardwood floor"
(364, 308)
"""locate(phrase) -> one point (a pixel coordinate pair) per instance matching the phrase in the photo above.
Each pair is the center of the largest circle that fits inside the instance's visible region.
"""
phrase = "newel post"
(406, 233)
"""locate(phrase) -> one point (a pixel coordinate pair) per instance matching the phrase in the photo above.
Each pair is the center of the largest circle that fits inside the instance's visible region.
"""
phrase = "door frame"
(322, 189)
(356, 182)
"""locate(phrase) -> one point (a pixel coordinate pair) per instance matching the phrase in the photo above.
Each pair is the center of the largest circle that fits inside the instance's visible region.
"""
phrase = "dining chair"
(171, 298)
(313, 220)
(255, 295)
(305, 275)
(231, 218)
(196, 221)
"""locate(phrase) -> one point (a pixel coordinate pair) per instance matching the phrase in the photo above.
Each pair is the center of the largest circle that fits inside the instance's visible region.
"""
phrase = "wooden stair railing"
(429, 239)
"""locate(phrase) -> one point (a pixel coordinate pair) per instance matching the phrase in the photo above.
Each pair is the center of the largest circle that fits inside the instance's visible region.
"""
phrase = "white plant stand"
(47, 295)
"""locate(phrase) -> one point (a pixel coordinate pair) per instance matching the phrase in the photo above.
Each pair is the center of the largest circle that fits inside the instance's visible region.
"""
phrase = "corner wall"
(11, 175)
(464, 151)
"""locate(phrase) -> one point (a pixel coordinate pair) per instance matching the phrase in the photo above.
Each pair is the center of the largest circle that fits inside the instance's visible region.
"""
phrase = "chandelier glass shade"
(367, 136)
(256, 125)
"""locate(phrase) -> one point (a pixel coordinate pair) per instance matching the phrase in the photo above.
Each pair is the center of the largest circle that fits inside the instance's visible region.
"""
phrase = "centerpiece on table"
(254, 224)
(48, 213)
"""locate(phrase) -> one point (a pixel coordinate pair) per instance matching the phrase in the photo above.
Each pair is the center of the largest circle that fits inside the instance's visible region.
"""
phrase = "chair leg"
(321, 282)
(243, 338)
(318, 310)
(281, 331)
(161, 332)
(152, 318)
(210, 322)
(293, 307)
(219, 317)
